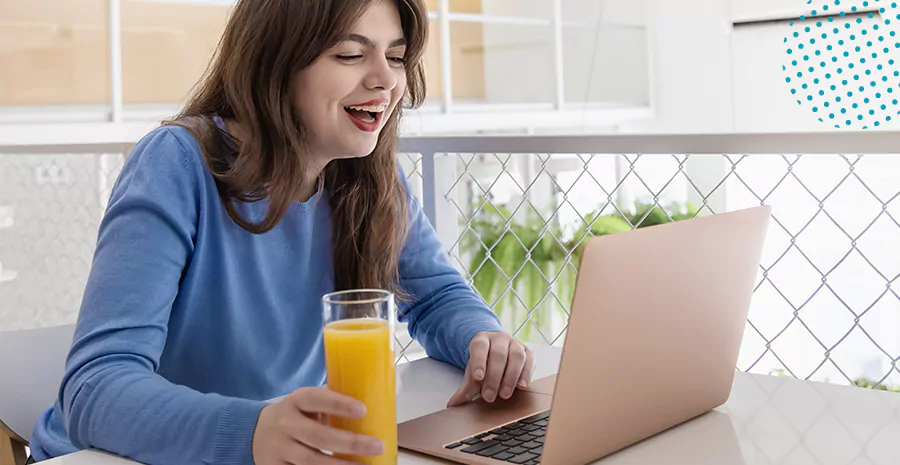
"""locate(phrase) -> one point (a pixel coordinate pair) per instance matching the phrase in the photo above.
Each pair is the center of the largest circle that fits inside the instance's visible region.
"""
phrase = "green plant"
(525, 254)
(518, 255)
(871, 384)
(862, 382)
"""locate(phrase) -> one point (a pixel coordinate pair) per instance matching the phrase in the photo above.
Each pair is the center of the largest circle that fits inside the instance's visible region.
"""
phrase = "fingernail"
(489, 395)
(479, 374)
(359, 411)
(505, 393)
(523, 384)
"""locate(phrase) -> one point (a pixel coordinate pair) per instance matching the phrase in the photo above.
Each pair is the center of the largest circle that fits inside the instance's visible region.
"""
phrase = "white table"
(767, 420)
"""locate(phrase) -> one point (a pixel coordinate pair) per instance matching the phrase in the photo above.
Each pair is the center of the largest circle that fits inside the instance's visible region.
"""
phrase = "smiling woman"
(277, 184)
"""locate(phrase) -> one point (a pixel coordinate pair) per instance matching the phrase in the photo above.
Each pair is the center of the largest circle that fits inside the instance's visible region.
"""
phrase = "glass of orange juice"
(359, 359)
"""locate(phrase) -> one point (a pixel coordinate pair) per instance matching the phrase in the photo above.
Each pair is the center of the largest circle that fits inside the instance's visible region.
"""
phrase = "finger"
(515, 362)
(336, 440)
(495, 367)
(323, 400)
(303, 455)
(466, 392)
(527, 370)
(478, 355)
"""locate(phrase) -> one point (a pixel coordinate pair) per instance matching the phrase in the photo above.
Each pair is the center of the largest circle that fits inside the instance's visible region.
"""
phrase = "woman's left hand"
(497, 365)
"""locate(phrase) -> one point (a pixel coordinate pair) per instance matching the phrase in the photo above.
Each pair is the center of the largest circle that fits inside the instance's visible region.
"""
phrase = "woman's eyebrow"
(363, 40)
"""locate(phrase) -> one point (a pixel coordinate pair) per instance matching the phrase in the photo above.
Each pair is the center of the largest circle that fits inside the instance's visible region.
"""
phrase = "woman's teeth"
(369, 108)
(365, 113)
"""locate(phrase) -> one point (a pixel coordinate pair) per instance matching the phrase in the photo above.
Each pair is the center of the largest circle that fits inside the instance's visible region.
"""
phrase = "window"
(498, 65)
(166, 48)
(54, 52)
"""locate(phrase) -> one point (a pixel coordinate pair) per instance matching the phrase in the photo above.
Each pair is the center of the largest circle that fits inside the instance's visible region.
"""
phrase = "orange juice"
(359, 358)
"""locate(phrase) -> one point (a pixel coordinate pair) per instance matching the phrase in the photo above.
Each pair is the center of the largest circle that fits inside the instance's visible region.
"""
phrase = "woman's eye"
(348, 57)
(398, 60)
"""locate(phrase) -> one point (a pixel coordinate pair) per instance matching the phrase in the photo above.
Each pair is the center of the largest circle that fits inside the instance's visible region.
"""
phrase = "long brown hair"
(265, 43)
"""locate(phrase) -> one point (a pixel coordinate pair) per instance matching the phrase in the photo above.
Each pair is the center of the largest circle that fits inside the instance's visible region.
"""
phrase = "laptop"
(653, 339)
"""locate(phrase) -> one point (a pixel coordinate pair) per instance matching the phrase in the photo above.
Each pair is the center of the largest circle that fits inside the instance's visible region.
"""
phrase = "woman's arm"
(111, 396)
(445, 313)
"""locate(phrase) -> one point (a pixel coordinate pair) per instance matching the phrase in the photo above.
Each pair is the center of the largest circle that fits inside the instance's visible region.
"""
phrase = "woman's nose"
(381, 76)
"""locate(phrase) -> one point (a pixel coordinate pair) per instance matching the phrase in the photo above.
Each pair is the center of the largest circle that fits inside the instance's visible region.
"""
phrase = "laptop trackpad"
(543, 385)
(452, 424)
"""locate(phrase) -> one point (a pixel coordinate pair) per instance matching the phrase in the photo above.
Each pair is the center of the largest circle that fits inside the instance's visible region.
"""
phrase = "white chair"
(32, 363)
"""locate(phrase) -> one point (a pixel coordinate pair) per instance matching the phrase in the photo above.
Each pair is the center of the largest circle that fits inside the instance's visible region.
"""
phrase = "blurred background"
(82, 80)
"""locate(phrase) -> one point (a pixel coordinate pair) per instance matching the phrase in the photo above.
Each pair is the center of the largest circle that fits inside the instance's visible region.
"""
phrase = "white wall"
(762, 99)
(691, 67)
(611, 64)
(755, 10)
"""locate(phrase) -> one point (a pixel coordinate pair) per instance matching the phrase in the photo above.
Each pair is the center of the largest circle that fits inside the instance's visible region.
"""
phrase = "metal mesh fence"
(50, 210)
(825, 305)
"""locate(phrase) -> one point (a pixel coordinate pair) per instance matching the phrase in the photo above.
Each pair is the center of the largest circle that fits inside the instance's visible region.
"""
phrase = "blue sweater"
(189, 323)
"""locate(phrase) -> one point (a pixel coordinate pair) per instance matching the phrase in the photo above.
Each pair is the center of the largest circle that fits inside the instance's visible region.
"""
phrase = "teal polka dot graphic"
(841, 58)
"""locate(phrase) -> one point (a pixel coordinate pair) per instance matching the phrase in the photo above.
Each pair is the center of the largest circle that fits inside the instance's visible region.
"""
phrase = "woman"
(276, 185)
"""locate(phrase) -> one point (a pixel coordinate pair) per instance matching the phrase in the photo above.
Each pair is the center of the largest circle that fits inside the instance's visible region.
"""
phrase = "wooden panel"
(53, 52)
(12, 451)
(457, 6)
(166, 47)
(467, 52)
(432, 62)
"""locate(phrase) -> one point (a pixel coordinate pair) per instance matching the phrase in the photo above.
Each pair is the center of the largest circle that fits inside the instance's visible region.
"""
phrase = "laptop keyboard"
(520, 442)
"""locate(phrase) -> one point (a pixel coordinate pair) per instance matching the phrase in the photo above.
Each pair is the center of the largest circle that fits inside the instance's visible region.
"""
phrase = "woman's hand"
(497, 365)
(295, 431)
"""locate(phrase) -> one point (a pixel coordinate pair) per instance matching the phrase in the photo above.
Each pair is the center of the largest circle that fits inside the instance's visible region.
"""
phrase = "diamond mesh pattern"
(825, 304)
(55, 204)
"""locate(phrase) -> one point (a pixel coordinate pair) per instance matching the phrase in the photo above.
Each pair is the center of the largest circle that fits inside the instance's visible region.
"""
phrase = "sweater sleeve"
(444, 313)
(111, 396)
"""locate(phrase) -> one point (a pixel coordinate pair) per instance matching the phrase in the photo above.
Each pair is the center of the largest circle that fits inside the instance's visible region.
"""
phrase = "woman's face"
(345, 97)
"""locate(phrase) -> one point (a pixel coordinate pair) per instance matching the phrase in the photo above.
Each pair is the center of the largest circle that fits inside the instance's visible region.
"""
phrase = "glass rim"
(382, 295)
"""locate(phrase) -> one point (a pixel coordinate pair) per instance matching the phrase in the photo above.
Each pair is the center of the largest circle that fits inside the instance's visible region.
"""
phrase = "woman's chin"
(360, 150)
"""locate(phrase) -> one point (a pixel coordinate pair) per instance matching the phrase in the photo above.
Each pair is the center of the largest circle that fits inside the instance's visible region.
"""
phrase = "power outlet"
(50, 173)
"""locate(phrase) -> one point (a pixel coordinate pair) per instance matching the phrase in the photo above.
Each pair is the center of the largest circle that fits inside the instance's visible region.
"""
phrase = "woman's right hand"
(295, 430)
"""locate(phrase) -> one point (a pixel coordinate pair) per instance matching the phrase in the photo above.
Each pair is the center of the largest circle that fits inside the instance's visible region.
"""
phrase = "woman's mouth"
(366, 117)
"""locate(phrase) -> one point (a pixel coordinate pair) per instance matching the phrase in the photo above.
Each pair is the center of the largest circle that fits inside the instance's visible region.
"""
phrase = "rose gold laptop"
(653, 340)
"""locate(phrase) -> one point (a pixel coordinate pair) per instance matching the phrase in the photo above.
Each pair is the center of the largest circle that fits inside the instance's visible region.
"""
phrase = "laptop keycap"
(479, 447)
(492, 450)
(522, 458)
(518, 442)
(536, 418)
